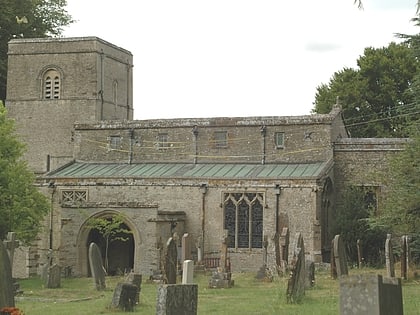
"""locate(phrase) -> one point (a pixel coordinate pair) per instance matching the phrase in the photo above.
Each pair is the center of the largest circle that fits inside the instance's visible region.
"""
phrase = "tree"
(377, 98)
(22, 205)
(111, 229)
(28, 19)
(352, 223)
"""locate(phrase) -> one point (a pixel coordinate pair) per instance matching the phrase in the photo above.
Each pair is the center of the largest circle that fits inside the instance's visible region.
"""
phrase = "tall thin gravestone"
(359, 253)
(11, 243)
(389, 257)
(340, 257)
(284, 249)
(188, 272)
(171, 260)
(404, 257)
(96, 266)
(186, 247)
(296, 282)
(7, 296)
(53, 279)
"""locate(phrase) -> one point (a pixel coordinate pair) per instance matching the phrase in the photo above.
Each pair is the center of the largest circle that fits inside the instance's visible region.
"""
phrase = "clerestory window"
(52, 82)
(243, 218)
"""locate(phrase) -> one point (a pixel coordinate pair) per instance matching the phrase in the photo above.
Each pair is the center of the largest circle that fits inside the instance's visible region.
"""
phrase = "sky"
(237, 58)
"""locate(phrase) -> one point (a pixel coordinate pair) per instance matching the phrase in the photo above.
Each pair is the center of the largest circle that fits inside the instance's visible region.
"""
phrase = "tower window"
(52, 84)
(220, 139)
(279, 140)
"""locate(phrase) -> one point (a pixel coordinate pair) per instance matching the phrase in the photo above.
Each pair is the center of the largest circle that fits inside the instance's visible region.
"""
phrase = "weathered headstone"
(171, 260)
(186, 247)
(11, 243)
(296, 282)
(404, 257)
(309, 274)
(96, 266)
(340, 257)
(333, 267)
(135, 278)
(389, 257)
(53, 280)
(370, 294)
(188, 272)
(284, 245)
(264, 273)
(7, 296)
(125, 296)
(224, 251)
(177, 299)
(359, 253)
(222, 278)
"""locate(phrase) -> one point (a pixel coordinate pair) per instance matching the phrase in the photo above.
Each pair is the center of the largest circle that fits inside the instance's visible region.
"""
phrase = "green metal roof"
(185, 170)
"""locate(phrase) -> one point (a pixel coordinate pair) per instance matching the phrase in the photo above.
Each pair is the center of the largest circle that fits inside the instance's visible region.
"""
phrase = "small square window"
(279, 139)
(114, 142)
(163, 141)
(220, 139)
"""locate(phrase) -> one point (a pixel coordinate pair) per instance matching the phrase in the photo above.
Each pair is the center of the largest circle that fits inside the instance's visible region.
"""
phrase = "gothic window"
(279, 140)
(52, 84)
(73, 196)
(243, 218)
(220, 139)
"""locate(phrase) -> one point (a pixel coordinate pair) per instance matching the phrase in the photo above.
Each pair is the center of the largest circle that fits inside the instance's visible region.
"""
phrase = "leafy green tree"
(28, 19)
(352, 223)
(111, 229)
(377, 98)
(22, 205)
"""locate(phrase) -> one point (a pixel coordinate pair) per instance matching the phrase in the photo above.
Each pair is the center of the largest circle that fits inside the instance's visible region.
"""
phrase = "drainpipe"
(51, 185)
(195, 133)
(130, 153)
(263, 130)
(203, 189)
(277, 191)
(101, 91)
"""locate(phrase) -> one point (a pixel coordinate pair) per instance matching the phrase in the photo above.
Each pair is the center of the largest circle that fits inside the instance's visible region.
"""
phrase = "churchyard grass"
(248, 296)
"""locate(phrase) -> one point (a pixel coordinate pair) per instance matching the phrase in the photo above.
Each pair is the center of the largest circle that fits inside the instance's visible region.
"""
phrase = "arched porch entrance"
(122, 254)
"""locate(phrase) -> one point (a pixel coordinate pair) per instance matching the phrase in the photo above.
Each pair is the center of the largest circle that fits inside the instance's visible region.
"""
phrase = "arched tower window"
(52, 82)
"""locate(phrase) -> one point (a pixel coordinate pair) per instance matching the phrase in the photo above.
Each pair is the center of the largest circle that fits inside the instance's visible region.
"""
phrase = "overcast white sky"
(231, 58)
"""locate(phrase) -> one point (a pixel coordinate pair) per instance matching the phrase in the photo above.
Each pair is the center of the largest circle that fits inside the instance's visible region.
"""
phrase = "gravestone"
(188, 272)
(53, 280)
(125, 296)
(309, 274)
(7, 296)
(284, 245)
(264, 273)
(135, 278)
(333, 267)
(186, 247)
(404, 257)
(359, 254)
(96, 267)
(340, 257)
(222, 277)
(389, 257)
(296, 281)
(370, 294)
(11, 243)
(171, 260)
(177, 299)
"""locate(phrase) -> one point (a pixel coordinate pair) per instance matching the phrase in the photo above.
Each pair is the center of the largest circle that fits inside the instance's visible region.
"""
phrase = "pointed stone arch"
(83, 237)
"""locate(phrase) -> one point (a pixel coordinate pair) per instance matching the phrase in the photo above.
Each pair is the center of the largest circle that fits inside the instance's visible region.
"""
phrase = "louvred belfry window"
(52, 84)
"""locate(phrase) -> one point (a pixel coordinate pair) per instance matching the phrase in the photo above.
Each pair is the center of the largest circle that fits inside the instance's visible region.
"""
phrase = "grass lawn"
(78, 296)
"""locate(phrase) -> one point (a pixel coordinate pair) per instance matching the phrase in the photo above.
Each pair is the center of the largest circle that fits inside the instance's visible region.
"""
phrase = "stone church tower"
(53, 83)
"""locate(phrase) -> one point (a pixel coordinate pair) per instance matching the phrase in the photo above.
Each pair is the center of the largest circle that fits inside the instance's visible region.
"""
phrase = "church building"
(254, 178)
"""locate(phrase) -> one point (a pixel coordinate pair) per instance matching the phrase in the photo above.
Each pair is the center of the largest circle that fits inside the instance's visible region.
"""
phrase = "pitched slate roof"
(193, 171)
